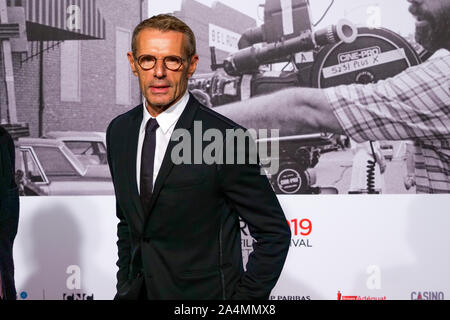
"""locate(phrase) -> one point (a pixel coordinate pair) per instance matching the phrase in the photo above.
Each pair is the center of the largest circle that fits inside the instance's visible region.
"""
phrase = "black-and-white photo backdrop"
(65, 75)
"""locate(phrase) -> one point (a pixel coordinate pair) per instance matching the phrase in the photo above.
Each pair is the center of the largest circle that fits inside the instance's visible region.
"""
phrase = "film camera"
(338, 54)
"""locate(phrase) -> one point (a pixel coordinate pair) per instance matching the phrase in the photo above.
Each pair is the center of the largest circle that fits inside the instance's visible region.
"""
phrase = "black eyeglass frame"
(138, 59)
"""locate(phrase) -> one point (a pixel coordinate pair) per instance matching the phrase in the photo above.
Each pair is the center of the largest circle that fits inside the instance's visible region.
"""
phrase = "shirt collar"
(169, 117)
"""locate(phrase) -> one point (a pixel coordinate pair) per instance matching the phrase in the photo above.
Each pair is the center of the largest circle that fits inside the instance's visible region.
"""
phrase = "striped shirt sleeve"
(415, 104)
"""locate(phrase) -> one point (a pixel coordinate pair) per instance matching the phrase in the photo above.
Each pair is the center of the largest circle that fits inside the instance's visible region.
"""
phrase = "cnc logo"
(427, 295)
(301, 231)
(77, 296)
(342, 297)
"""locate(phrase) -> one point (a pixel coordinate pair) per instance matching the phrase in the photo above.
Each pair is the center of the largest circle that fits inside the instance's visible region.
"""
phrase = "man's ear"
(132, 64)
(192, 65)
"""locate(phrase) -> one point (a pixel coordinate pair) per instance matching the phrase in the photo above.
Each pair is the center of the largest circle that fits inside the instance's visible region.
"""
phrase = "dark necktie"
(147, 162)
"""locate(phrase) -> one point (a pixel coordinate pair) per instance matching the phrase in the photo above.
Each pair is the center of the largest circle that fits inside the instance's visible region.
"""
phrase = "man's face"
(433, 23)
(162, 87)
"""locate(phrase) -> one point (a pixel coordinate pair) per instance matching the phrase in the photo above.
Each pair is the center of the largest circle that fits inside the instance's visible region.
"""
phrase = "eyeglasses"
(148, 62)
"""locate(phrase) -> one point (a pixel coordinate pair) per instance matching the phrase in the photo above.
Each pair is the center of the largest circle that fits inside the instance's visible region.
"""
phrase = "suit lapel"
(184, 122)
(132, 142)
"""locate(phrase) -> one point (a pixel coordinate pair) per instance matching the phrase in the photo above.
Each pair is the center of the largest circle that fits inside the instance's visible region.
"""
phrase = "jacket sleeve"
(7, 162)
(123, 233)
(4, 172)
(250, 194)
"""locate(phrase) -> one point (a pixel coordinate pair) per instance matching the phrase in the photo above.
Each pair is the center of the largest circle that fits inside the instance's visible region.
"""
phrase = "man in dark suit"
(9, 215)
(178, 231)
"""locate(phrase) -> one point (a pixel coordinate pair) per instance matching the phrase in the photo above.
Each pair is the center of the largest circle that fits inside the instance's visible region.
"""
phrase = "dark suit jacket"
(9, 213)
(188, 245)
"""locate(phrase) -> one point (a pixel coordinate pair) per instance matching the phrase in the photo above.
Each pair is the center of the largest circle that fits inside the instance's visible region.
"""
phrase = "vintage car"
(48, 167)
(88, 146)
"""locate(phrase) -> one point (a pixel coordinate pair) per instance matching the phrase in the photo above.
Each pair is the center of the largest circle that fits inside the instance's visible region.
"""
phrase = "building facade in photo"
(73, 72)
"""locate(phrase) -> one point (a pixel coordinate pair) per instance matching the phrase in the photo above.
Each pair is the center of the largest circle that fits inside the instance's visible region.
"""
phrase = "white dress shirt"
(166, 121)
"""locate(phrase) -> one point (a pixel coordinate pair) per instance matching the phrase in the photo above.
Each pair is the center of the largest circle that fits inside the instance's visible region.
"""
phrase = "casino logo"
(427, 295)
